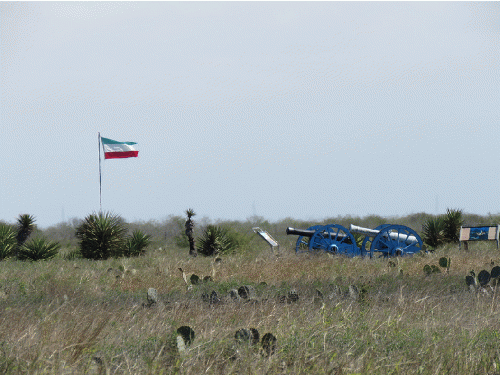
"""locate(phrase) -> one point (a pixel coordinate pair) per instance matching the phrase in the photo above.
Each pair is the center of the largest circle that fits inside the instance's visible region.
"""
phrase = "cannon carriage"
(385, 240)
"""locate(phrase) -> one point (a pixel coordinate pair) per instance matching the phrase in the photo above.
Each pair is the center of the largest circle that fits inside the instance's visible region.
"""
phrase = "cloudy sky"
(305, 110)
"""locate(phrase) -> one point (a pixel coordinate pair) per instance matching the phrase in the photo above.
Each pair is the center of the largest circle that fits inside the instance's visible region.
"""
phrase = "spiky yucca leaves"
(8, 241)
(189, 231)
(433, 231)
(215, 240)
(38, 249)
(190, 213)
(101, 236)
(136, 244)
(25, 225)
(451, 226)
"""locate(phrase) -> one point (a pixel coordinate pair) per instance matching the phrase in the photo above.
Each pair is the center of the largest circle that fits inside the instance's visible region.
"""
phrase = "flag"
(118, 150)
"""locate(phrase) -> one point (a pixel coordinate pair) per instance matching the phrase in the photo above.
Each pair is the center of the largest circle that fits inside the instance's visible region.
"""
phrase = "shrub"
(25, 225)
(72, 254)
(452, 223)
(215, 240)
(238, 240)
(181, 241)
(38, 249)
(136, 244)
(432, 231)
(102, 236)
(442, 229)
(8, 241)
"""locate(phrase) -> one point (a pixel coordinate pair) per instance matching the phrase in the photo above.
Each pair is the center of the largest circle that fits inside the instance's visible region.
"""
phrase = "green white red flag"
(118, 150)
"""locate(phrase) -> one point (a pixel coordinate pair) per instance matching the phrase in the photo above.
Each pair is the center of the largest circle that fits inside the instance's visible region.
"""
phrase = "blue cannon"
(385, 240)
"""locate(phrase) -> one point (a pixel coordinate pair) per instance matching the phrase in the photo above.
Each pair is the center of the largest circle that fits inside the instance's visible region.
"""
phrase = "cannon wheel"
(302, 244)
(365, 247)
(383, 243)
(334, 238)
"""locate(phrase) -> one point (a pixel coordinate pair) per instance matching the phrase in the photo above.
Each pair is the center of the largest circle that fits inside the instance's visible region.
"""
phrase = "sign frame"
(487, 232)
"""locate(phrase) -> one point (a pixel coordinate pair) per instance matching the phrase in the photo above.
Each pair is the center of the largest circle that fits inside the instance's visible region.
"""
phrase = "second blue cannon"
(385, 240)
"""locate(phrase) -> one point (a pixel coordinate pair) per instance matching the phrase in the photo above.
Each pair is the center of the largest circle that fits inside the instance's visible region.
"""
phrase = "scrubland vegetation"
(71, 315)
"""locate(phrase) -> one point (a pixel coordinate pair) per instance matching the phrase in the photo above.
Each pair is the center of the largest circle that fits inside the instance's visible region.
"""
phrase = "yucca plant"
(8, 241)
(38, 249)
(433, 231)
(189, 231)
(136, 244)
(25, 225)
(102, 236)
(214, 241)
(451, 226)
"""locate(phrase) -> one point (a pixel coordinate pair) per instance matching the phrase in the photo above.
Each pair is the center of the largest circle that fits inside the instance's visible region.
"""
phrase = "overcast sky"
(305, 110)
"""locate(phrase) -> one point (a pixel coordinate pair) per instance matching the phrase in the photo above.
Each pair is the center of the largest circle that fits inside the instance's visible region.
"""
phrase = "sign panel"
(266, 236)
(479, 233)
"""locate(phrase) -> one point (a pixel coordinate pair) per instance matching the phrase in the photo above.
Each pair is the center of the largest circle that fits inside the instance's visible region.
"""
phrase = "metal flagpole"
(100, 184)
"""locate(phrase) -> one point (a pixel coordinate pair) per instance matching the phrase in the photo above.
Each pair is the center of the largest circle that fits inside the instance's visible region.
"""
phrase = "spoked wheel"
(367, 242)
(396, 240)
(335, 239)
(302, 244)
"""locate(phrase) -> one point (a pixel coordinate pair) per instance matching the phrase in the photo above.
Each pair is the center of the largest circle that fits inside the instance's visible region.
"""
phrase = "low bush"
(215, 240)
(432, 231)
(8, 241)
(102, 236)
(452, 222)
(136, 244)
(38, 249)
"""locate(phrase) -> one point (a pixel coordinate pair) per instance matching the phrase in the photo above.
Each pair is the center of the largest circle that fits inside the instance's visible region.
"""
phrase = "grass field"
(79, 316)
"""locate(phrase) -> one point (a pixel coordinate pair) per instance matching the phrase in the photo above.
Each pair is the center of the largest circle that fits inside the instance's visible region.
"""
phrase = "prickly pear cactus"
(495, 272)
(470, 281)
(483, 277)
(445, 263)
(435, 269)
(427, 269)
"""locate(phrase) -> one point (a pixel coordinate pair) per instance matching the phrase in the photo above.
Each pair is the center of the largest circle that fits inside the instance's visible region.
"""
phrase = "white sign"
(266, 236)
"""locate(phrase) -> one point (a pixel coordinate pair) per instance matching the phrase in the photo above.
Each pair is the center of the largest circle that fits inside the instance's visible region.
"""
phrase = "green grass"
(74, 315)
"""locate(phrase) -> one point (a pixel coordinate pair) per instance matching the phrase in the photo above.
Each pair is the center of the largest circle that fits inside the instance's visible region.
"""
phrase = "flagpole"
(100, 183)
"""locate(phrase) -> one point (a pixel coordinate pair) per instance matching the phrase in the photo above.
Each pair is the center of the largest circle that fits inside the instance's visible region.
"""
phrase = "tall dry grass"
(80, 316)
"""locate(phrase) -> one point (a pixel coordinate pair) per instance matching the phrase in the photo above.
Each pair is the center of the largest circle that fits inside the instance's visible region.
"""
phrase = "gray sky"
(281, 109)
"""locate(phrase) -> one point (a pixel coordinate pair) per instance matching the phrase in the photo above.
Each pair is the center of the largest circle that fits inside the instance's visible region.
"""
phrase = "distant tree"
(189, 231)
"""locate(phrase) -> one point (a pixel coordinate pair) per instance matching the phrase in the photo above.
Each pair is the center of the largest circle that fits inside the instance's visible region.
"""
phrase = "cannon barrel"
(309, 233)
(394, 236)
(300, 232)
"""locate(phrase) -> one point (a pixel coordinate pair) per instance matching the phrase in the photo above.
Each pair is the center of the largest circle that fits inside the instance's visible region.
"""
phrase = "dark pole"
(100, 184)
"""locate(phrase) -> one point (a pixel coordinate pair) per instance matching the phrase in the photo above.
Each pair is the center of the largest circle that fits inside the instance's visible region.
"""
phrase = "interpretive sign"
(267, 237)
(479, 233)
